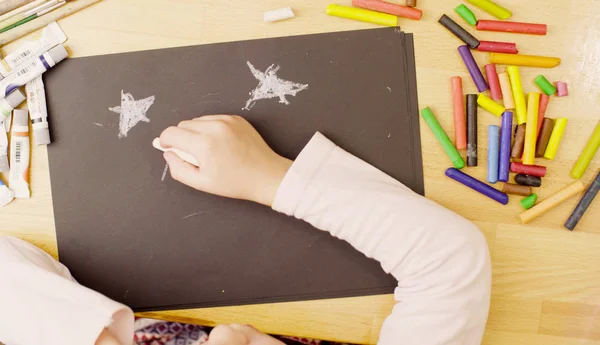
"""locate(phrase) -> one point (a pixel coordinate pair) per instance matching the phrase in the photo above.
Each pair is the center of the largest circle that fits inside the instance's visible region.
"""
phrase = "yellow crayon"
(492, 8)
(587, 154)
(517, 90)
(488, 104)
(524, 60)
(533, 105)
(551, 202)
(362, 15)
(555, 137)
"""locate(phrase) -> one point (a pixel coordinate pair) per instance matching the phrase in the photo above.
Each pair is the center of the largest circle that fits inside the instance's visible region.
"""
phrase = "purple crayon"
(505, 146)
(477, 185)
(474, 70)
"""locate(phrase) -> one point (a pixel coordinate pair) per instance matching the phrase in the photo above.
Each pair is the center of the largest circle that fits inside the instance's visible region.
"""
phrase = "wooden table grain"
(546, 280)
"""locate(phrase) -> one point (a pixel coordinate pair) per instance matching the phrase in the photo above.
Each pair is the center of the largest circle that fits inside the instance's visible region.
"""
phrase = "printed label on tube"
(19, 155)
(51, 37)
(38, 112)
(32, 69)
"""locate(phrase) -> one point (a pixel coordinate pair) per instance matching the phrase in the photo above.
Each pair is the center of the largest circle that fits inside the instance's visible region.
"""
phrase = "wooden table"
(546, 280)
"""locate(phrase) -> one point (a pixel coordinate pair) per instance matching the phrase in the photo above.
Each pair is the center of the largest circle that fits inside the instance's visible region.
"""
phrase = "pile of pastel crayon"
(535, 135)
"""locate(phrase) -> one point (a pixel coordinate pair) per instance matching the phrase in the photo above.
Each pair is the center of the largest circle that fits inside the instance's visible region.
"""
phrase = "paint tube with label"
(52, 36)
(9, 103)
(6, 106)
(36, 100)
(19, 155)
(6, 195)
(3, 152)
(32, 69)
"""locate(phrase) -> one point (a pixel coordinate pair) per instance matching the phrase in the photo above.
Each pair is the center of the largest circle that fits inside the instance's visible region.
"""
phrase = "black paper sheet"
(155, 244)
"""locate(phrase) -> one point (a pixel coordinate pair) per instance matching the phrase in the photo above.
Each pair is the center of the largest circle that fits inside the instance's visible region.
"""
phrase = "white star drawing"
(271, 86)
(131, 112)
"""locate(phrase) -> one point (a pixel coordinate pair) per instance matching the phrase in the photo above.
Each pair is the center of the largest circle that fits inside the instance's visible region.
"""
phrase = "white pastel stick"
(183, 155)
(280, 14)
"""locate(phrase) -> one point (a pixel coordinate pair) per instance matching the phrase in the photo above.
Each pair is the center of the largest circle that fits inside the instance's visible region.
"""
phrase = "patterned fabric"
(153, 332)
(156, 332)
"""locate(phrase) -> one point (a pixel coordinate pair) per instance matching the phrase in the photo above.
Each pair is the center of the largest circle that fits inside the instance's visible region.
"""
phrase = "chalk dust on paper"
(131, 112)
(164, 174)
(271, 86)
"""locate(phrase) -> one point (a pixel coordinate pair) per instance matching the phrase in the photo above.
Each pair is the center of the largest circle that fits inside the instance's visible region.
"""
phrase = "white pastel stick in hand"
(183, 155)
(280, 14)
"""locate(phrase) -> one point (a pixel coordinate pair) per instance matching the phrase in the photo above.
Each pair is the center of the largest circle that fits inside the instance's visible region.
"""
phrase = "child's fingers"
(226, 335)
(184, 172)
(178, 138)
(213, 117)
(196, 126)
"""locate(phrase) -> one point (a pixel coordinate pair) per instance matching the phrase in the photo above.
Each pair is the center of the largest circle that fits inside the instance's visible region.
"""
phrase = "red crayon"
(516, 27)
(493, 82)
(544, 99)
(532, 170)
(387, 7)
(498, 47)
(458, 105)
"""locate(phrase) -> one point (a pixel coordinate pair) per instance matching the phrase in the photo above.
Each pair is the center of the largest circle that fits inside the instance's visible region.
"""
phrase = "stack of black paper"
(127, 231)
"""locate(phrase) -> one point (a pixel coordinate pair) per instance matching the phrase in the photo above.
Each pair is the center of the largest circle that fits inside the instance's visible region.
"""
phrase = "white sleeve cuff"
(42, 304)
(301, 173)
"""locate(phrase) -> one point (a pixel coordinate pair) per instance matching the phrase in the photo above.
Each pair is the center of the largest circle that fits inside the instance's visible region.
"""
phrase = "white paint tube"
(36, 101)
(280, 14)
(6, 195)
(19, 155)
(6, 106)
(32, 69)
(52, 36)
(3, 152)
(9, 103)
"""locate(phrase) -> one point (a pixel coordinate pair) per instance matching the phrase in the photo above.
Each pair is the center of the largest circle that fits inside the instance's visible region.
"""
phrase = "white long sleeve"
(41, 303)
(441, 260)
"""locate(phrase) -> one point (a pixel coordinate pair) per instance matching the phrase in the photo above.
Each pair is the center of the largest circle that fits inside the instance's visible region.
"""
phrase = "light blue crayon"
(493, 153)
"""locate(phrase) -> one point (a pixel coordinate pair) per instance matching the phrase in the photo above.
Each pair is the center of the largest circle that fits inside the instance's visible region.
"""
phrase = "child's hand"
(234, 161)
(239, 335)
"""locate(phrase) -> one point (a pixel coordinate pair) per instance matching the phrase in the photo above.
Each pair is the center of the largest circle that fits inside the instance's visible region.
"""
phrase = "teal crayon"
(442, 137)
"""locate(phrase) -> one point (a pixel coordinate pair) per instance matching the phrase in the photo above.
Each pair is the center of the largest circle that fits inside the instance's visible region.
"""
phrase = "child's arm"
(440, 259)
(41, 303)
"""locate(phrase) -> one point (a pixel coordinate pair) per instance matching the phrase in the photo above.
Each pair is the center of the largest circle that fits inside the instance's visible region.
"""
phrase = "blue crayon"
(505, 146)
(493, 153)
(584, 203)
(477, 185)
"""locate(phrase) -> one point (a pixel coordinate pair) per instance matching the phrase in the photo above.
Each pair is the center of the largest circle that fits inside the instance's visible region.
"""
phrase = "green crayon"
(545, 85)
(529, 201)
(442, 137)
(466, 14)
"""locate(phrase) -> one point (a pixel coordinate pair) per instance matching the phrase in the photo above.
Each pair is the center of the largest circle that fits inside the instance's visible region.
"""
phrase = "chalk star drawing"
(271, 86)
(131, 112)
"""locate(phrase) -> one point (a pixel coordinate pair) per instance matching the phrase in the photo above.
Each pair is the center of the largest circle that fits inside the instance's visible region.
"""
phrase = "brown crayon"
(517, 149)
(515, 189)
(544, 137)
